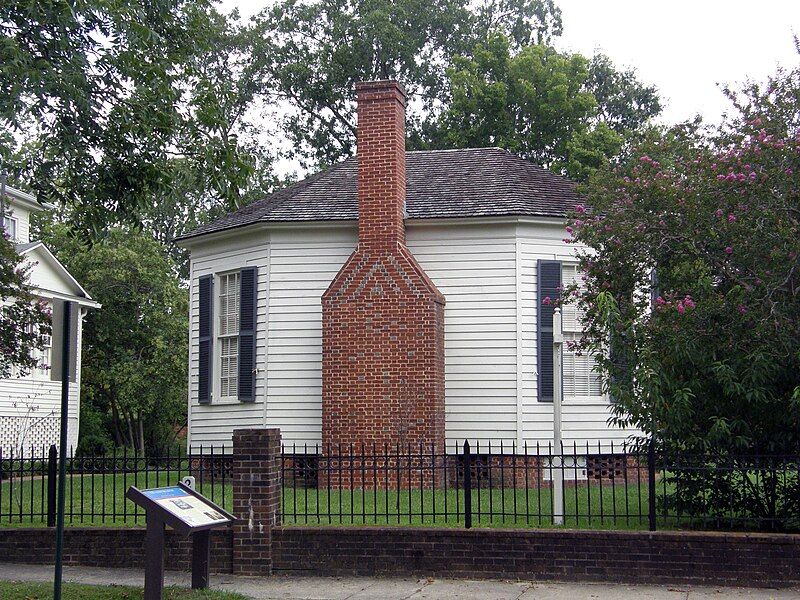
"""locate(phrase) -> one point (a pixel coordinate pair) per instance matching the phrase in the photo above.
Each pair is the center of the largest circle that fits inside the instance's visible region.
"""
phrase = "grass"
(95, 500)
(91, 499)
(99, 500)
(499, 507)
(10, 590)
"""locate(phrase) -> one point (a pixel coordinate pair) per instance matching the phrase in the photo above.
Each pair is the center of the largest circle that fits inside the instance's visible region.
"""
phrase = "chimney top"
(381, 144)
(380, 89)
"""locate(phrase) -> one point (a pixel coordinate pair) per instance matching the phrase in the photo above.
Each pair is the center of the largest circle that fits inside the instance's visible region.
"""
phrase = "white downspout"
(558, 476)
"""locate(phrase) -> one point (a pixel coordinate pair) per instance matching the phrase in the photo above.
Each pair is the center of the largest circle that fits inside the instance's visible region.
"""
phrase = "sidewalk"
(364, 588)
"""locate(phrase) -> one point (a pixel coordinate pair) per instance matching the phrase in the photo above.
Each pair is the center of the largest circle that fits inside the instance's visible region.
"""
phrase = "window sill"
(586, 401)
(230, 401)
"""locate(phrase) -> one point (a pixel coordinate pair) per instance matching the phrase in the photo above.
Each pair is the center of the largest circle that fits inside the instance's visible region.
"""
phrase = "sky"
(686, 48)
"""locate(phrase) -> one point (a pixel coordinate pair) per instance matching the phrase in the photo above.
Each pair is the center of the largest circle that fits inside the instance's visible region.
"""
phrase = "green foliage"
(532, 103)
(310, 55)
(717, 220)
(557, 109)
(120, 106)
(21, 314)
(624, 103)
(704, 355)
(524, 22)
(135, 346)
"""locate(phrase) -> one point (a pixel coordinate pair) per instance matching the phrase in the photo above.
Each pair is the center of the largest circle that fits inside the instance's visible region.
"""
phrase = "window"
(43, 356)
(580, 377)
(228, 334)
(10, 227)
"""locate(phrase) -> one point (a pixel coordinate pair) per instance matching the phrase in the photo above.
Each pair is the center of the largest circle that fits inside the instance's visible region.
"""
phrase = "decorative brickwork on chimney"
(382, 317)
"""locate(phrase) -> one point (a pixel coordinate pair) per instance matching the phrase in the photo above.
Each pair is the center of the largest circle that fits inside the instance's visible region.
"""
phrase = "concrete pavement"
(363, 588)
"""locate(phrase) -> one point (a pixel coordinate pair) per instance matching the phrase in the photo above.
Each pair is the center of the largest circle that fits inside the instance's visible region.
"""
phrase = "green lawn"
(10, 590)
(91, 499)
(95, 500)
(503, 507)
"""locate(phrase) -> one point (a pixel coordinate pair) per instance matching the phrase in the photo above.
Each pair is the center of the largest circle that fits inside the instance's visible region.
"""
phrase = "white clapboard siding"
(214, 423)
(303, 265)
(582, 421)
(474, 267)
(33, 404)
(488, 276)
(21, 216)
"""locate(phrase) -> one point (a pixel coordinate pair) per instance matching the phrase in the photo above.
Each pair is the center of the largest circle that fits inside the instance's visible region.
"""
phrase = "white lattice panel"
(24, 433)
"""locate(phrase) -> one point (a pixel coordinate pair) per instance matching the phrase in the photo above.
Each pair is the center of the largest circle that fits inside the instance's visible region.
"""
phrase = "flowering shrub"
(24, 319)
(692, 290)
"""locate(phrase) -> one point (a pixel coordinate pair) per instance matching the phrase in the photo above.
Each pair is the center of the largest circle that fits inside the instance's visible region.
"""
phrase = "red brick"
(382, 317)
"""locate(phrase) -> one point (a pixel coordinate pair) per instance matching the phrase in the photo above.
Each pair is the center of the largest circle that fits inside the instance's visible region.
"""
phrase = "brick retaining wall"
(107, 547)
(632, 557)
(565, 555)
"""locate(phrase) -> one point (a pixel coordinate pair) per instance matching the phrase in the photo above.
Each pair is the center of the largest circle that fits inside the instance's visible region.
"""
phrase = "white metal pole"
(558, 474)
(3, 178)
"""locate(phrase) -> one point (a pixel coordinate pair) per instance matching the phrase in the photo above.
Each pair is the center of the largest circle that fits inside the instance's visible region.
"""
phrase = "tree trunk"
(131, 435)
(141, 431)
(118, 438)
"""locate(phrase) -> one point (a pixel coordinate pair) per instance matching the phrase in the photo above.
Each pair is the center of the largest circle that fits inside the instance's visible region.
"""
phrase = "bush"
(692, 295)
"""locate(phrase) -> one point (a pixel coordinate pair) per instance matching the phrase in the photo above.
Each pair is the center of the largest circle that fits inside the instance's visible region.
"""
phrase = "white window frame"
(572, 334)
(15, 222)
(220, 338)
(45, 357)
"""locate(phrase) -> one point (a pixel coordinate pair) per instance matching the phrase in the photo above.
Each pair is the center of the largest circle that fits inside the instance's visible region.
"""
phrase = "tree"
(692, 286)
(534, 102)
(135, 346)
(24, 319)
(114, 105)
(624, 104)
(309, 55)
(523, 22)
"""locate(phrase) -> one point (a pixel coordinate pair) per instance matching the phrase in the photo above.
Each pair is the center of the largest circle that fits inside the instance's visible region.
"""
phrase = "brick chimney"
(382, 317)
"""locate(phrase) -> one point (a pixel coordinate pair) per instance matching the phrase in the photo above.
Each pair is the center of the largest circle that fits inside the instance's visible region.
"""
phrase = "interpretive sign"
(193, 510)
(189, 513)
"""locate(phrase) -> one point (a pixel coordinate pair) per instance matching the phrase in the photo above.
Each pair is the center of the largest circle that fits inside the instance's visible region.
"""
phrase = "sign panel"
(192, 509)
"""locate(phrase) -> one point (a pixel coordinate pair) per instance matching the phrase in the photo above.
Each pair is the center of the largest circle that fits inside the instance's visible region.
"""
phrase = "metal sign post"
(187, 512)
(3, 178)
(62, 452)
(558, 393)
(154, 557)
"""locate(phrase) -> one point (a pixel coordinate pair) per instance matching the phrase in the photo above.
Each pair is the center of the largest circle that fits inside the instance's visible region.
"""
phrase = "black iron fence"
(95, 486)
(602, 486)
(607, 486)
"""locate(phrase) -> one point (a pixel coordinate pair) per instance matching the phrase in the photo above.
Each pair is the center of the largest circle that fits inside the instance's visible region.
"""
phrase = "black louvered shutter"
(549, 284)
(248, 299)
(205, 338)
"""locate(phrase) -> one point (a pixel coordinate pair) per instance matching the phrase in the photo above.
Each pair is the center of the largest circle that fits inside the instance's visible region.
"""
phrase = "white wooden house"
(30, 405)
(482, 223)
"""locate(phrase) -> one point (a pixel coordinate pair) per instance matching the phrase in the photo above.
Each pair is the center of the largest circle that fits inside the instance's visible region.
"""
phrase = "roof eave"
(189, 241)
(27, 200)
(39, 245)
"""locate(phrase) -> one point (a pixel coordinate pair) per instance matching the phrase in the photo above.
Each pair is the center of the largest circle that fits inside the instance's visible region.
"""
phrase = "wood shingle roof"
(473, 182)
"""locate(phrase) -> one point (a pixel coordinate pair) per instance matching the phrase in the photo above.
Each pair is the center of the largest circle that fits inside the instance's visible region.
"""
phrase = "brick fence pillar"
(256, 498)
